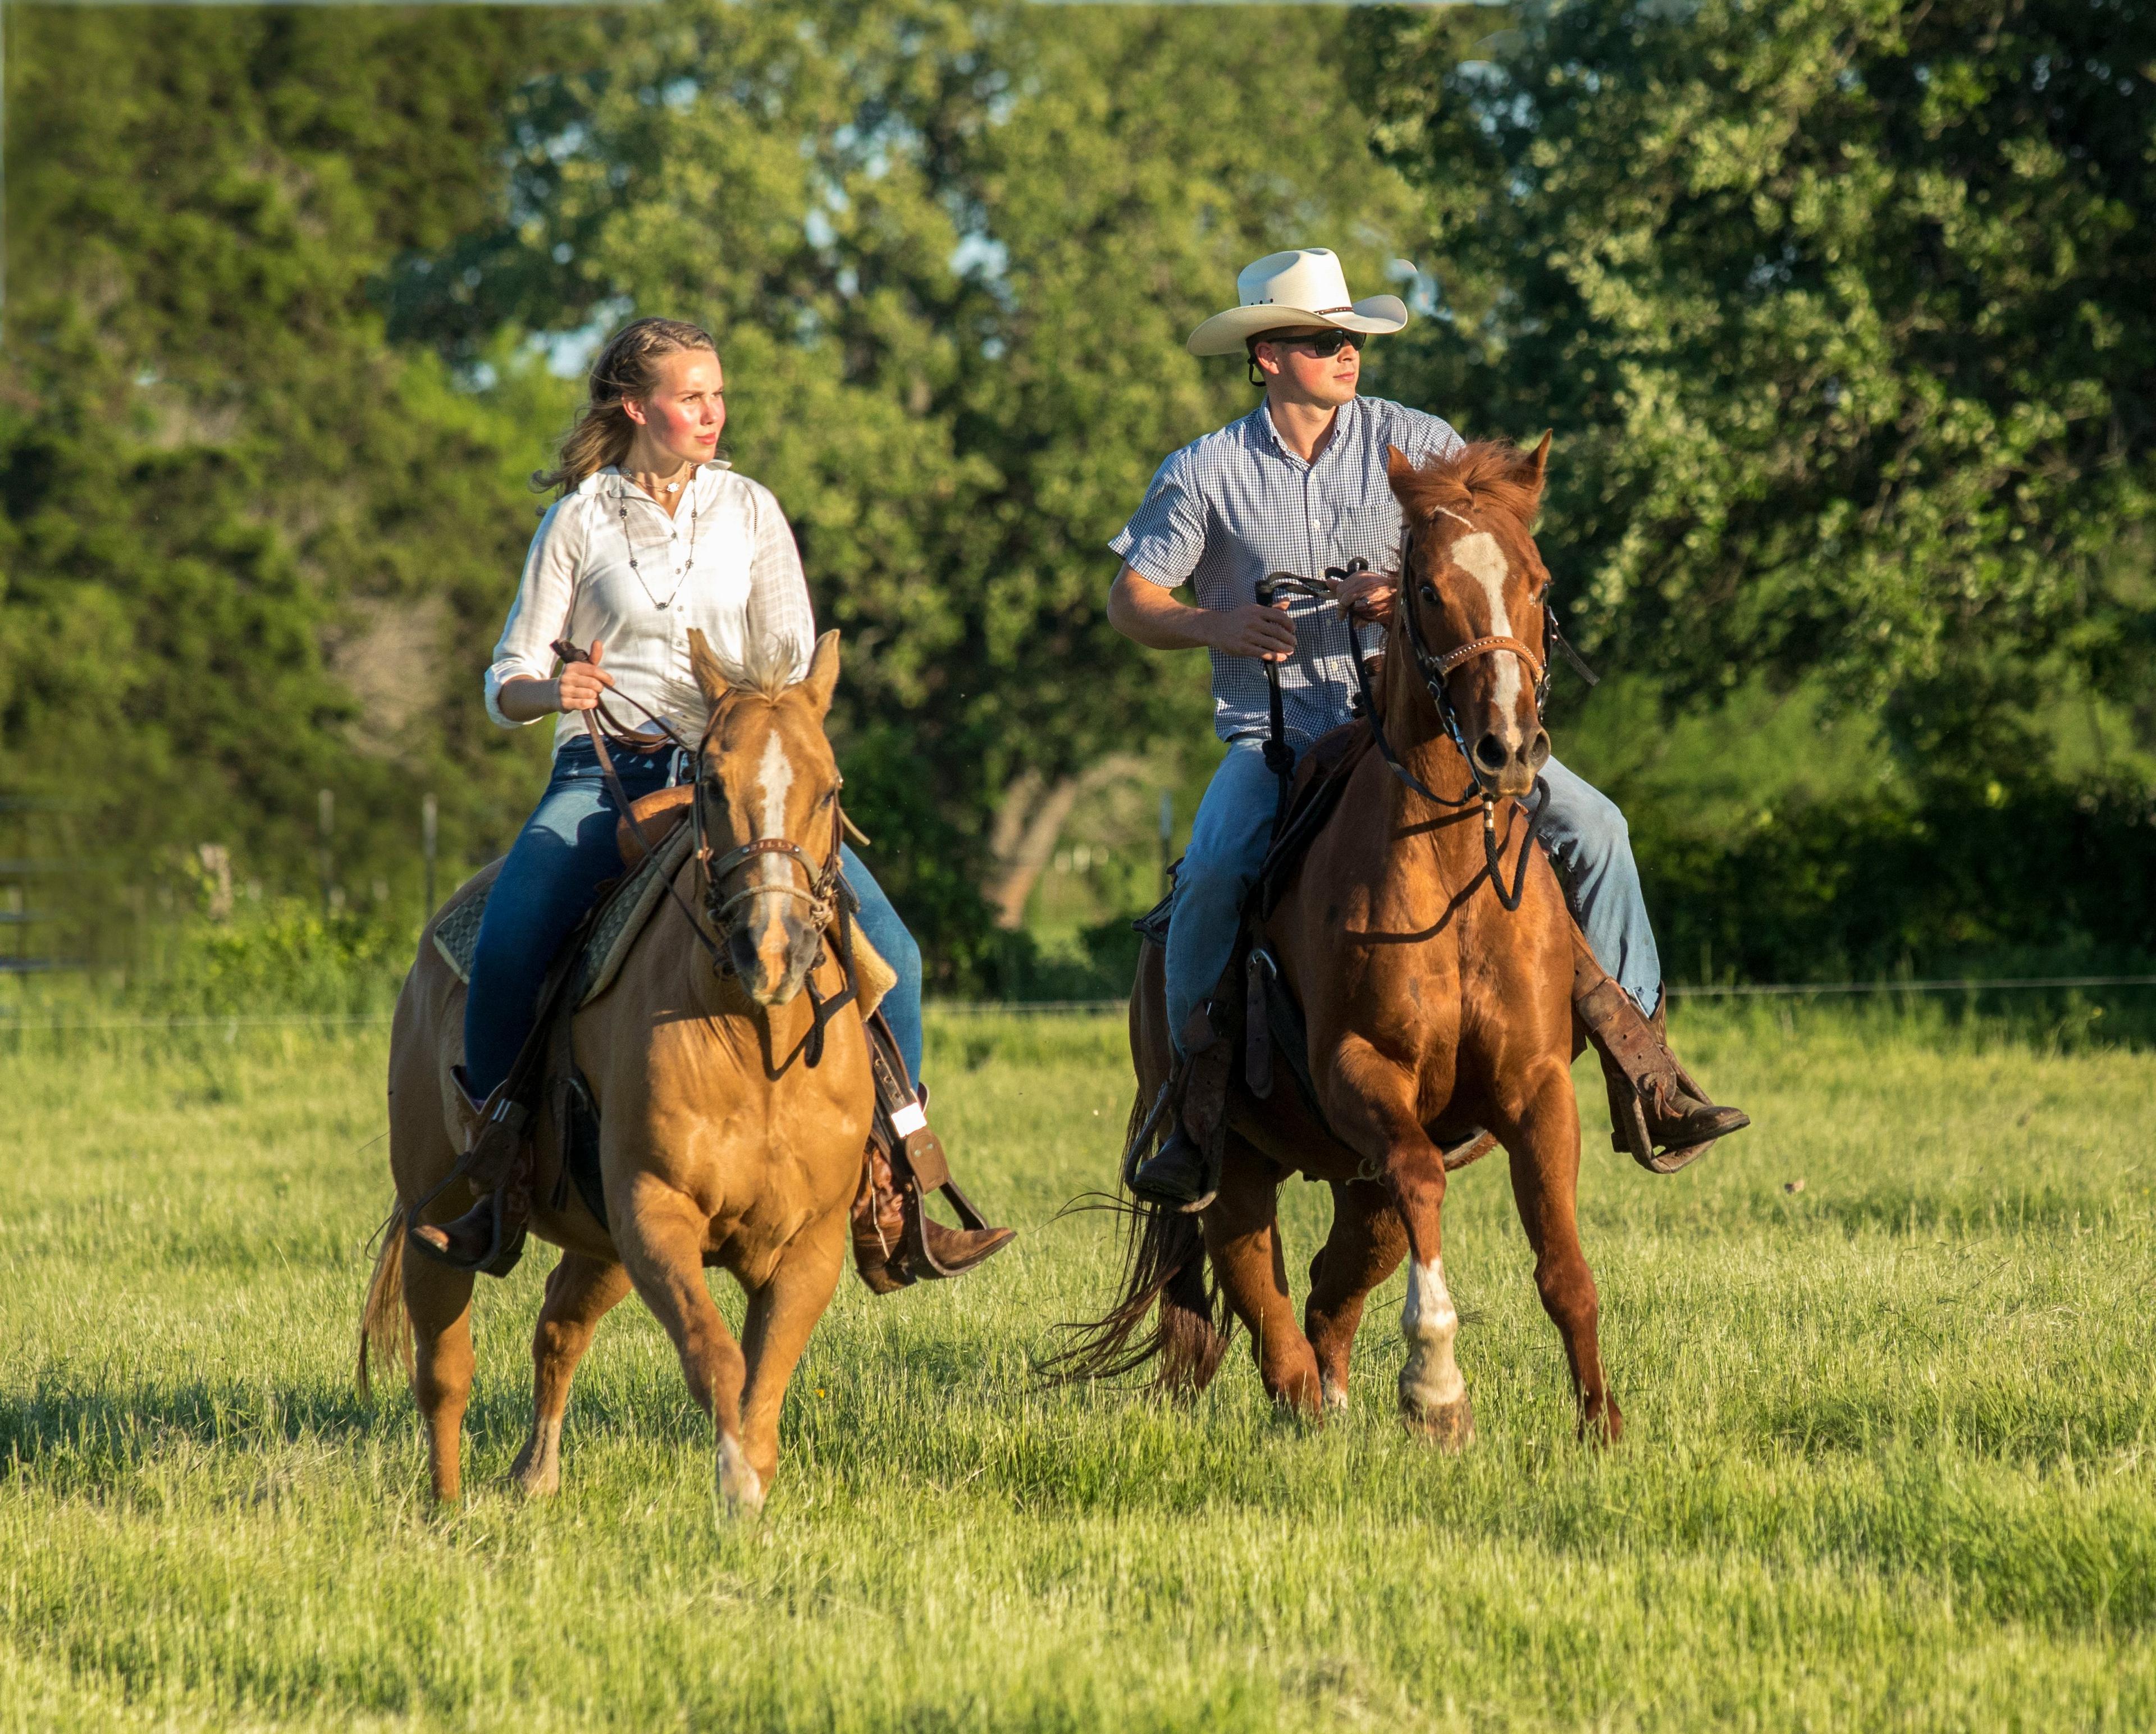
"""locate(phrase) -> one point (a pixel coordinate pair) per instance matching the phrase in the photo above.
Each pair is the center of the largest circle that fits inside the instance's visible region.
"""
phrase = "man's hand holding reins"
(1254, 629)
(1367, 596)
(1149, 614)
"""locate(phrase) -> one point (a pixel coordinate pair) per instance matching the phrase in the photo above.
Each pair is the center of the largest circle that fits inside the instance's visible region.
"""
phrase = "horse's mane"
(1487, 474)
(766, 666)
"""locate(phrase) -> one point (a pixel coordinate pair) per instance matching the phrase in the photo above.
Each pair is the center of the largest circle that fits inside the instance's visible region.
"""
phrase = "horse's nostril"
(1490, 751)
(1538, 753)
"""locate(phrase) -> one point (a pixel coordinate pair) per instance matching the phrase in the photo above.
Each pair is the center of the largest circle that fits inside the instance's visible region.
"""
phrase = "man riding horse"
(1299, 485)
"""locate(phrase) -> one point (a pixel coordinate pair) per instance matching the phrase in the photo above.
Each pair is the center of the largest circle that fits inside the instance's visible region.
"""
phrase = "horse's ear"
(711, 679)
(1538, 464)
(1399, 469)
(822, 679)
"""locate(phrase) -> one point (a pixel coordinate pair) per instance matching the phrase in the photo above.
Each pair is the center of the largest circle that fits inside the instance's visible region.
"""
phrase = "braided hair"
(627, 367)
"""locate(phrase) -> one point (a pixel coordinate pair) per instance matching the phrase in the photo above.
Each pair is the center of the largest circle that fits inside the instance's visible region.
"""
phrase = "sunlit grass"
(1885, 1361)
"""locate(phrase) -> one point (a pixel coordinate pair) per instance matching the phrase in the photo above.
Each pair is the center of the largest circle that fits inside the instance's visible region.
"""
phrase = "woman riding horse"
(655, 537)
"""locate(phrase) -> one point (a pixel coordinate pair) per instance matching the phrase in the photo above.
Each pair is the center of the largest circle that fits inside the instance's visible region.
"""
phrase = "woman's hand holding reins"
(583, 685)
(528, 698)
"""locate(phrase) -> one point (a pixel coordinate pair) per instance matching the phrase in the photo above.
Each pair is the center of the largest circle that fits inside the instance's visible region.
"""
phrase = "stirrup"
(917, 1246)
(504, 1243)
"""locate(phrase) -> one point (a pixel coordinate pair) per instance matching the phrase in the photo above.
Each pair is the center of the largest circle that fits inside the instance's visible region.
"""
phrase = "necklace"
(681, 571)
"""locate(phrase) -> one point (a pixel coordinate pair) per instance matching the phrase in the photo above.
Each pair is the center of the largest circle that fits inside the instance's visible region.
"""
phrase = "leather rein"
(1436, 670)
(826, 893)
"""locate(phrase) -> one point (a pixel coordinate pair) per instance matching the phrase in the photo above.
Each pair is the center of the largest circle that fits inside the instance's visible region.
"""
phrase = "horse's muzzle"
(1506, 762)
(771, 947)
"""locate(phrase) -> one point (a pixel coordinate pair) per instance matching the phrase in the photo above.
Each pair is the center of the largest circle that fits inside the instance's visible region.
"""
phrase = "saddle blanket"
(620, 921)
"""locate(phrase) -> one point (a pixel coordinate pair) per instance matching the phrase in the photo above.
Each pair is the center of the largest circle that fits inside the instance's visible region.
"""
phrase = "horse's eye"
(1429, 595)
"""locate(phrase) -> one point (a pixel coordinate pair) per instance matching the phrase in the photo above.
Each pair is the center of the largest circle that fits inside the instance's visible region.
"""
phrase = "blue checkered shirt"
(1229, 508)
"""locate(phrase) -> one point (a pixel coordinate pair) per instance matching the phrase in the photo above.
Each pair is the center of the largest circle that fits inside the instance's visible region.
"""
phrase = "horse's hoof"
(1601, 1425)
(535, 1483)
(741, 1489)
(1449, 1426)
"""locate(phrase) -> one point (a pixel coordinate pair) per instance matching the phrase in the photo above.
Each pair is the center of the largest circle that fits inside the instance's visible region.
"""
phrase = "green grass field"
(1890, 1459)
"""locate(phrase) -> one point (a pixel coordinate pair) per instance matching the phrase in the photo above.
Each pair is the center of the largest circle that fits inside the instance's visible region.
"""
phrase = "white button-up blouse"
(609, 564)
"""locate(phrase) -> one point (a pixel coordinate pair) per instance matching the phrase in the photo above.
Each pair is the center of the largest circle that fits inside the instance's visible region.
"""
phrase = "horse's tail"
(1164, 1268)
(385, 1326)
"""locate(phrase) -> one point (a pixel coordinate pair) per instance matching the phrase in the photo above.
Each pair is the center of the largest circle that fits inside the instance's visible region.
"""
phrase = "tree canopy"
(1838, 309)
(241, 534)
(951, 252)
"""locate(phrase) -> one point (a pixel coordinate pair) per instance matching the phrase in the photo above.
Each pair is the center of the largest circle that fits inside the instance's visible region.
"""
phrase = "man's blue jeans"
(1583, 830)
(564, 852)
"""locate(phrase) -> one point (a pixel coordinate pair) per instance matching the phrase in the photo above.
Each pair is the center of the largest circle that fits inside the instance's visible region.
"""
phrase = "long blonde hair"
(627, 367)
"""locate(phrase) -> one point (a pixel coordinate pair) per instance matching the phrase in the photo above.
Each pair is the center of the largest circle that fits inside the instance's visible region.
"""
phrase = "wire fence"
(1091, 1007)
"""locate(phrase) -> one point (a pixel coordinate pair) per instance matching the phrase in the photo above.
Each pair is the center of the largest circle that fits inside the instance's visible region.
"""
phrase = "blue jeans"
(1583, 830)
(564, 852)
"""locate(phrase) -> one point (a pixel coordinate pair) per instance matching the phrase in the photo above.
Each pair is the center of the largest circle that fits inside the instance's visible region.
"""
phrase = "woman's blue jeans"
(565, 852)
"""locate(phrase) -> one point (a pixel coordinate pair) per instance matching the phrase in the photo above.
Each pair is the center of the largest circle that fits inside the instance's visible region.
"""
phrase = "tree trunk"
(1028, 825)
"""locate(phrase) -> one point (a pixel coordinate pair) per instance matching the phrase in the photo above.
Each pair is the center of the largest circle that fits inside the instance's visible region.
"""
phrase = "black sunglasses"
(1324, 346)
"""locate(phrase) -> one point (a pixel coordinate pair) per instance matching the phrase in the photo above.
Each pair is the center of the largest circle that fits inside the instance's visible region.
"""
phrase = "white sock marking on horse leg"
(738, 1484)
(1430, 1381)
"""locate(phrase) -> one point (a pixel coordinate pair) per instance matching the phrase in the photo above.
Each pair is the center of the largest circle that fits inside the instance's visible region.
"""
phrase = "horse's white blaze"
(1430, 1381)
(774, 782)
(1335, 1396)
(1482, 559)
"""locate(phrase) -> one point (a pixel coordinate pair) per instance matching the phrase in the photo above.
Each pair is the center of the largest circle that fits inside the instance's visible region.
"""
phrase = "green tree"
(1840, 310)
(950, 251)
(243, 536)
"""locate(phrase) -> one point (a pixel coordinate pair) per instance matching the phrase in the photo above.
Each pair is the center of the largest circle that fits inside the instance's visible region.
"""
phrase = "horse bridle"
(1436, 671)
(826, 893)
(820, 894)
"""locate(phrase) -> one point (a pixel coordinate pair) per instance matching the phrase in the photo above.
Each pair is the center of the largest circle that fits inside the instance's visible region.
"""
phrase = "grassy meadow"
(1891, 1457)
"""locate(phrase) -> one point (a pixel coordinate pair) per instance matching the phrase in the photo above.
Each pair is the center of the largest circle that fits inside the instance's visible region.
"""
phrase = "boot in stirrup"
(880, 1254)
(1185, 1173)
(1658, 1114)
(488, 1238)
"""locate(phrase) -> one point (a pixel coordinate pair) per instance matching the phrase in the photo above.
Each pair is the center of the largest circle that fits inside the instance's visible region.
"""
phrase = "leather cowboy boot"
(1185, 1173)
(879, 1226)
(1658, 1114)
(488, 1238)
(878, 1229)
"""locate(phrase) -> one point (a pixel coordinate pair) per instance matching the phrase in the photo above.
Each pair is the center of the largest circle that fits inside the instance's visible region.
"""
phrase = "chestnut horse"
(718, 1145)
(1435, 1012)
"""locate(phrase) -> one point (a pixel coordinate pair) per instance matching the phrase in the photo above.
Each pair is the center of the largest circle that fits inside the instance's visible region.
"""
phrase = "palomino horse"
(1433, 1011)
(718, 1145)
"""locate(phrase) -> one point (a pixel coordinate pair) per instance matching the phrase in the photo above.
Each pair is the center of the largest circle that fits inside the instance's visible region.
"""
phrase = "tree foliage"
(951, 252)
(241, 534)
(1838, 309)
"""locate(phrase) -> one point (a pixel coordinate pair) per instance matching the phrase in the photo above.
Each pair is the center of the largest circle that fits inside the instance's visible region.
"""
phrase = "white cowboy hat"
(1303, 287)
